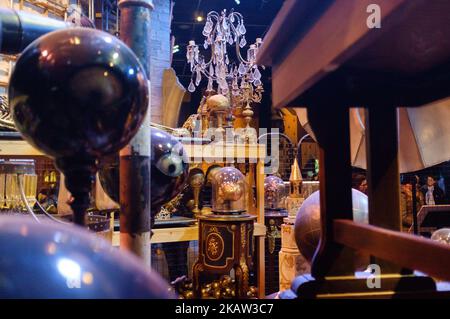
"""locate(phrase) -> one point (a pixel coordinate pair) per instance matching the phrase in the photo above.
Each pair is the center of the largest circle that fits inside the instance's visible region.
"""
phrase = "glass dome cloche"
(442, 235)
(228, 191)
(274, 193)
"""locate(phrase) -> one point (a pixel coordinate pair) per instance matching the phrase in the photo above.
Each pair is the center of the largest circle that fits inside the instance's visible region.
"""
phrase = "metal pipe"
(18, 29)
(91, 10)
(135, 165)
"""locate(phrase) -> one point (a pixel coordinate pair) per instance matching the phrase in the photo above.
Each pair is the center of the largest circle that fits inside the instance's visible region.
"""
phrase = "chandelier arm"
(238, 20)
(239, 15)
(233, 28)
(207, 74)
(213, 14)
(213, 32)
(238, 53)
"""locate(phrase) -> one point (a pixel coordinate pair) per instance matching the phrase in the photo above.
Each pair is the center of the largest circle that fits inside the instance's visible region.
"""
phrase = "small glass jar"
(228, 191)
(274, 193)
(17, 175)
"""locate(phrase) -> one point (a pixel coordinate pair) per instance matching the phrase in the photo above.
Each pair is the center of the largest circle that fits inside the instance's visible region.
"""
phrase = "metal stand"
(135, 217)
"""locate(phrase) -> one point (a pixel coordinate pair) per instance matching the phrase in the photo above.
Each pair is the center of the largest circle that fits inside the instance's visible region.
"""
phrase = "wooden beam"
(403, 249)
(336, 36)
(291, 15)
(383, 171)
(330, 122)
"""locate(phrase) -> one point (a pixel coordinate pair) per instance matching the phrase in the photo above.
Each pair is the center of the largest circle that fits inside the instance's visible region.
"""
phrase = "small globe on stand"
(307, 223)
(228, 191)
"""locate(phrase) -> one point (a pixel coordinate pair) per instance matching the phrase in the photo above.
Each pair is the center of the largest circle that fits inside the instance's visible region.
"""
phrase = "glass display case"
(274, 193)
(228, 191)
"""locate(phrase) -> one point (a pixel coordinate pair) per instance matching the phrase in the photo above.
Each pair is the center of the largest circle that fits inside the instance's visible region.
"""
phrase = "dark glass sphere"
(169, 170)
(78, 92)
(52, 260)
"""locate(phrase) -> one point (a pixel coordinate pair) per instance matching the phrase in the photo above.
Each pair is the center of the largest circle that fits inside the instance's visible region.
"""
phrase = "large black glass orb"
(78, 92)
(169, 168)
(51, 260)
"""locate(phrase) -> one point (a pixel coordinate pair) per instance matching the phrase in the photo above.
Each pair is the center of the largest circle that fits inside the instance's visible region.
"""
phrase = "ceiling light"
(199, 18)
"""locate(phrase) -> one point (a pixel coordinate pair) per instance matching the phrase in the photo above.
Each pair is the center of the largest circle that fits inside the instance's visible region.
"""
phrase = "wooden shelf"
(220, 151)
(48, 6)
(178, 234)
(194, 152)
(197, 154)
(18, 147)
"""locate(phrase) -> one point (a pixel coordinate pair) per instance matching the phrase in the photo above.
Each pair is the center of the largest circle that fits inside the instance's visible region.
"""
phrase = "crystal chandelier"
(241, 77)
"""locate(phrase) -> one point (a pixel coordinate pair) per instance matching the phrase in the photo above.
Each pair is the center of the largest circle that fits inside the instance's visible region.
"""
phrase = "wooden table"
(197, 153)
(177, 234)
(325, 57)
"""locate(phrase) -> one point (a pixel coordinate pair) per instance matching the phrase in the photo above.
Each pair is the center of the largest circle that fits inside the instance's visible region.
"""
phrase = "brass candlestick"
(219, 107)
(196, 180)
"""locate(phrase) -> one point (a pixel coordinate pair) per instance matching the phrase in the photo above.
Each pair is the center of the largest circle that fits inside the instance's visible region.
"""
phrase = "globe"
(307, 222)
(52, 260)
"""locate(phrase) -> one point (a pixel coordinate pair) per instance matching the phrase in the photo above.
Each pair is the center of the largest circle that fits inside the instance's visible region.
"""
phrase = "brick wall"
(160, 53)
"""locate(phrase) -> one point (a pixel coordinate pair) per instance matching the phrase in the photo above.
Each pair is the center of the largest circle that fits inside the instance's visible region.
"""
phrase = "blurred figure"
(441, 183)
(48, 199)
(360, 183)
(432, 193)
(406, 204)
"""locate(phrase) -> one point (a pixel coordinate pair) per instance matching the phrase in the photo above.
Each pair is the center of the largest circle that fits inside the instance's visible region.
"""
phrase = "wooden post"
(383, 172)
(260, 219)
(135, 165)
(330, 124)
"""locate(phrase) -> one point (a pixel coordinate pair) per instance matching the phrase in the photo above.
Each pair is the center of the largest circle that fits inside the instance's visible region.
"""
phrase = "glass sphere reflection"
(442, 235)
(51, 260)
(307, 222)
(228, 191)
